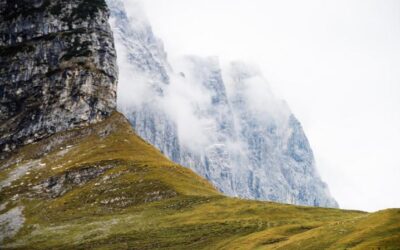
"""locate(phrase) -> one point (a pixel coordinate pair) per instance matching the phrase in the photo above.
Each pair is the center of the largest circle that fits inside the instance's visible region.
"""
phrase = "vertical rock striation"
(214, 156)
(281, 165)
(146, 72)
(233, 130)
(57, 68)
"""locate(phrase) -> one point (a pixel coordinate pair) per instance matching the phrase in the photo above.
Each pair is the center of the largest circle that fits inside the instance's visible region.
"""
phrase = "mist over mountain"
(224, 122)
(74, 174)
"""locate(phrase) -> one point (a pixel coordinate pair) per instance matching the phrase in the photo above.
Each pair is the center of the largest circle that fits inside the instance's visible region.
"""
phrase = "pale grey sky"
(337, 64)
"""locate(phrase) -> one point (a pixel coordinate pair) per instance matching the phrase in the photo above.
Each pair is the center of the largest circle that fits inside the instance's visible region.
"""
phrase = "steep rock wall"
(57, 68)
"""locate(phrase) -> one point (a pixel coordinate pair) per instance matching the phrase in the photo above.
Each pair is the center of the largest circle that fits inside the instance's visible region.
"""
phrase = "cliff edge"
(57, 68)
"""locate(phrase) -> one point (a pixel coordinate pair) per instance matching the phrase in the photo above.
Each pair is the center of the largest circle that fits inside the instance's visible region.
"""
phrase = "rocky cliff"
(281, 165)
(215, 156)
(103, 187)
(57, 68)
(145, 74)
(223, 122)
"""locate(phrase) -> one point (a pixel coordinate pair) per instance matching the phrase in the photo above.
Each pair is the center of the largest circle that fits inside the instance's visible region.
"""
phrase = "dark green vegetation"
(103, 187)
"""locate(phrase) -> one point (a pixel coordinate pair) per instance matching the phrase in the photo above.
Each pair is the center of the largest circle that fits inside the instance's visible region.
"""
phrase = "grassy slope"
(141, 200)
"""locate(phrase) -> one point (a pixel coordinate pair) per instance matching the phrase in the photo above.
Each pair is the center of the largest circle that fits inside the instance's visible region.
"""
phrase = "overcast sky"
(336, 63)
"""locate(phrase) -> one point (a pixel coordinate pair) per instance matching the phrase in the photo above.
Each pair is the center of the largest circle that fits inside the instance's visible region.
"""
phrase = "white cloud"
(180, 102)
(258, 93)
(335, 62)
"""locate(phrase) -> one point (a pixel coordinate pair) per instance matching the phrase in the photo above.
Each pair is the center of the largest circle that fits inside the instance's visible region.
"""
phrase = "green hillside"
(103, 187)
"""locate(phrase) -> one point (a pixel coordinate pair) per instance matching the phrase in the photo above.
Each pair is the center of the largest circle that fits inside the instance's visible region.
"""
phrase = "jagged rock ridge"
(249, 147)
(57, 68)
(280, 159)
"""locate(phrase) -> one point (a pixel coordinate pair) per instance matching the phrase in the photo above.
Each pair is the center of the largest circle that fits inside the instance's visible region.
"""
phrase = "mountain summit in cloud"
(223, 122)
(75, 175)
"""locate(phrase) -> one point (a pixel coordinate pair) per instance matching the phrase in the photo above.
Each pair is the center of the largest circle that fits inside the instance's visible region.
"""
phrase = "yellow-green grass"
(141, 200)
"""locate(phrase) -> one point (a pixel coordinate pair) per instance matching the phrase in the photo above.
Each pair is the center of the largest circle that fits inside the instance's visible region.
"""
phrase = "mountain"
(58, 68)
(222, 122)
(103, 187)
(98, 185)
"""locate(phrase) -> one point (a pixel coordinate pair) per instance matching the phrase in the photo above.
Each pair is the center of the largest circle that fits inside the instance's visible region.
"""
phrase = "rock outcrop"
(57, 68)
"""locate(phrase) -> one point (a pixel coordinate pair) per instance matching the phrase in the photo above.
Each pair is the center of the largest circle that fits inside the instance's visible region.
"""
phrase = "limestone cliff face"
(243, 139)
(57, 68)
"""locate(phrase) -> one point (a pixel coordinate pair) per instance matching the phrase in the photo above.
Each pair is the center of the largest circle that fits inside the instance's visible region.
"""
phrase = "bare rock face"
(250, 144)
(57, 68)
